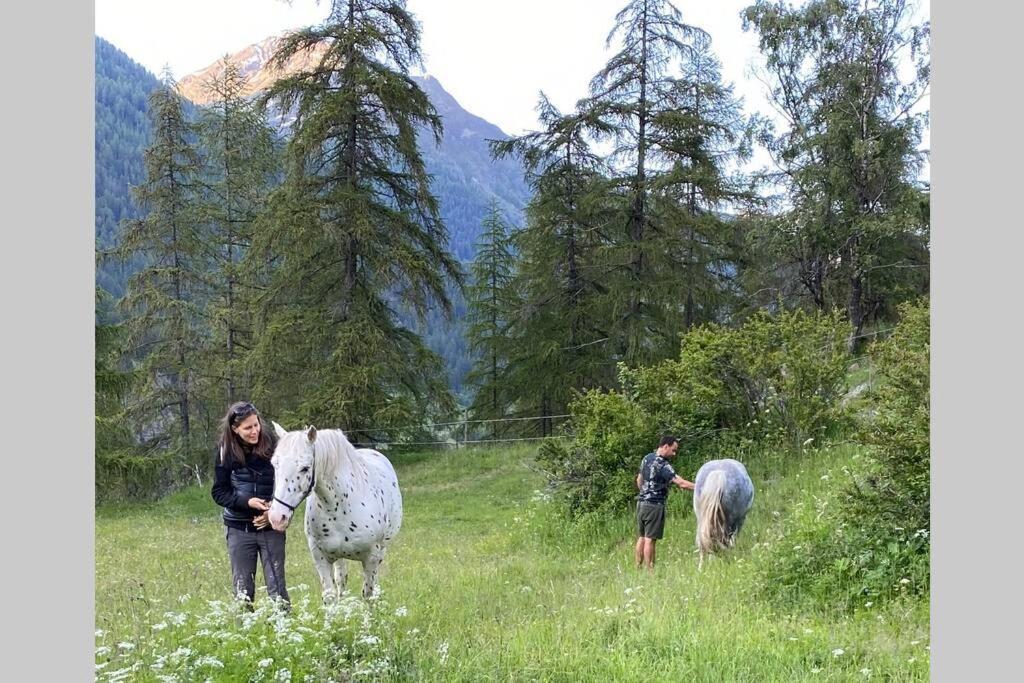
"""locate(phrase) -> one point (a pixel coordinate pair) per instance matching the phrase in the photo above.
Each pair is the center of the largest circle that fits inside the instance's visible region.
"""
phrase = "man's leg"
(649, 552)
(639, 552)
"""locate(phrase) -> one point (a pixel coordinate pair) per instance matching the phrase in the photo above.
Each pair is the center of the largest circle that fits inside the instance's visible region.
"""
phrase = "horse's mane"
(711, 525)
(332, 447)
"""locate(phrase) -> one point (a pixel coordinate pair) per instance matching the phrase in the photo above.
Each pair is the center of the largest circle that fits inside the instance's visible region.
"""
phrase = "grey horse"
(721, 499)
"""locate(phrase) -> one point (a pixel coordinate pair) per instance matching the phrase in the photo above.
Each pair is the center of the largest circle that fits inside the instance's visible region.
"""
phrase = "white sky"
(493, 56)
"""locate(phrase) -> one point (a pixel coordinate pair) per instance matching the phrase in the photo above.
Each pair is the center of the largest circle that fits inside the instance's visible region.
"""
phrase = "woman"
(243, 485)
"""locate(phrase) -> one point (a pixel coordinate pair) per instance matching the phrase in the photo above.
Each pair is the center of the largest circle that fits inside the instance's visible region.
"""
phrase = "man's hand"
(258, 504)
(261, 521)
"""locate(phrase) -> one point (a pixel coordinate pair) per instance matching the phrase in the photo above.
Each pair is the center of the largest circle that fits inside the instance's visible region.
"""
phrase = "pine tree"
(491, 303)
(650, 94)
(163, 326)
(112, 382)
(702, 131)
(355, 230)
(562, 331)
(849, 154)
(240, 167)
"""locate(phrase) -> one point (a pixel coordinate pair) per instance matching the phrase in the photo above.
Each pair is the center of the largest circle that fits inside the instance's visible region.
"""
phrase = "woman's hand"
(258, 504)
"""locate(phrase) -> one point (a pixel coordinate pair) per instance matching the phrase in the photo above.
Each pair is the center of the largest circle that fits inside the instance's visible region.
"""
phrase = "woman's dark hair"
(231, 447)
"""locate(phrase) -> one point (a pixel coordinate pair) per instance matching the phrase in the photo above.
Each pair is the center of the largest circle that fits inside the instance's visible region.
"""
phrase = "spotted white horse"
(354, 509)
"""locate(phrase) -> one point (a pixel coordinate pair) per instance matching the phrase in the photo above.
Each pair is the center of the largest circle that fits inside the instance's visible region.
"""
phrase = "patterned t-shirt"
(655, 476)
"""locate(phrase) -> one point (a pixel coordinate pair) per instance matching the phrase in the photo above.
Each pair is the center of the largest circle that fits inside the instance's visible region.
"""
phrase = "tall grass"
(486, 582)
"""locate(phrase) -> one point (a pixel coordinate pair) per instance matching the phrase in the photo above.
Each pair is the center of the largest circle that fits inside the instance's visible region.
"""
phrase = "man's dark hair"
(667, 440)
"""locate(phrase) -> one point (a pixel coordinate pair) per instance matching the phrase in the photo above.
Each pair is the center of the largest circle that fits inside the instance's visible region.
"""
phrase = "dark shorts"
(650, 520)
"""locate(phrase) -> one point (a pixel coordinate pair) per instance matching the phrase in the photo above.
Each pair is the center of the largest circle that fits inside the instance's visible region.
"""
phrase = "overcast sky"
(493, 56)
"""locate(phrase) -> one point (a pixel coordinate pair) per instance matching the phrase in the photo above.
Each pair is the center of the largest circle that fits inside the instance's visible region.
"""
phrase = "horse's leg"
(371, 564)
(340, 575)
(323, 568)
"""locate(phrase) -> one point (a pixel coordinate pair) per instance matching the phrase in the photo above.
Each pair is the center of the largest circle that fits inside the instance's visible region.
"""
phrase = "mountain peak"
(254, 64)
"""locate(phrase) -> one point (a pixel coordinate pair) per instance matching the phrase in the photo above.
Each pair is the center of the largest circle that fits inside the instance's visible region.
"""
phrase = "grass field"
(486, 583)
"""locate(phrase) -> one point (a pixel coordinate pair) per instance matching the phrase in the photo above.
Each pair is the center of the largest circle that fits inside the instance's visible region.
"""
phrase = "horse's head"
(293, 474)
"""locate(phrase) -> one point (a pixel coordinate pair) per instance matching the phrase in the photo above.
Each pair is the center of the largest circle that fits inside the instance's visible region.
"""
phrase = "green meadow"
(487, 582)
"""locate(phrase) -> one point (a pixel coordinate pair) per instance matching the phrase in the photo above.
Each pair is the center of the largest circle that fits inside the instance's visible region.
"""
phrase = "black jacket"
(234, 484)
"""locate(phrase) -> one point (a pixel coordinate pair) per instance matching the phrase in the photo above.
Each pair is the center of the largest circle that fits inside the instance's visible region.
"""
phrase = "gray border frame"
(976, 249)
(48, 283)
(976, 561)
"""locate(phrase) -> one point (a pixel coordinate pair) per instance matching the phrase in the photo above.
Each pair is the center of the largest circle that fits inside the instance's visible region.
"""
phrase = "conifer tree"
(163, 326)
(492, 304)
(354, 229)
(240, 166)
(562, 330)
(630, 93)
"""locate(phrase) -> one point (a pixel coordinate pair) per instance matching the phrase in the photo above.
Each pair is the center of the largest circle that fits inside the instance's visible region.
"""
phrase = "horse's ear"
(311, 434)
(278, 429)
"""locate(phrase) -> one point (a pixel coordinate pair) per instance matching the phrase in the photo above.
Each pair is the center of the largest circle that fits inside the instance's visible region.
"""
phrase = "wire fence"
(461, 433)
(457, 434)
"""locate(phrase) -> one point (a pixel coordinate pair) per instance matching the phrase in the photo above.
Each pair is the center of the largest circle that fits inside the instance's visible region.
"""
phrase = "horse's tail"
(711, 525)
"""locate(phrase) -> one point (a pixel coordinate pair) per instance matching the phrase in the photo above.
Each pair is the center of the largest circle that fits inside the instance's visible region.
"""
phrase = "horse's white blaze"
(354, 509)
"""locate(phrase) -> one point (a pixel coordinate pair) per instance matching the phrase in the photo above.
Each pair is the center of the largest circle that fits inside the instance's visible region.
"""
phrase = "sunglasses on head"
(242, 409)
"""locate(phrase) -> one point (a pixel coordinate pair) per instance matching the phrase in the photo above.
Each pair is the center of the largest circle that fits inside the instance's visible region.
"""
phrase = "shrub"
(775, 379)
(874, 544)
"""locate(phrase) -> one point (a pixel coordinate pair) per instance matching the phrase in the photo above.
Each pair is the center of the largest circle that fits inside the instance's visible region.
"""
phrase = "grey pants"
(243, 547)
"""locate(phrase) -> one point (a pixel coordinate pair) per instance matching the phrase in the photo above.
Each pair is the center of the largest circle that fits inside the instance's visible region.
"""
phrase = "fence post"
(465, 433)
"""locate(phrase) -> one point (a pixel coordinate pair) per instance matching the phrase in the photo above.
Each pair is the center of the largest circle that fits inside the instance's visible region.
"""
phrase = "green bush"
(776, 379)
(874, 543)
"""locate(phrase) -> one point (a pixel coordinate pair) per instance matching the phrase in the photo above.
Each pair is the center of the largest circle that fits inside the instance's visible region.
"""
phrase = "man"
(653, 479)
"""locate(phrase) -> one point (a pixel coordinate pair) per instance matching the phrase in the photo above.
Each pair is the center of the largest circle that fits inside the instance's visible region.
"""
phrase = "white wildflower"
(283, 675)
(915, 642)
(100, 666)
(442, 651)
(208, 660)
(808, 631)
(868, 603)
(176, 618)
(126, 646)
(184, 598)
(815, 670)
(159, 627)
(401, 611)
(904, 581)
(838, 652)
(368, 639)
(100, 633)
(414, 632)
(808, 442)
(824, 477)
(100, 651)
(866, 671)
(264, 663)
